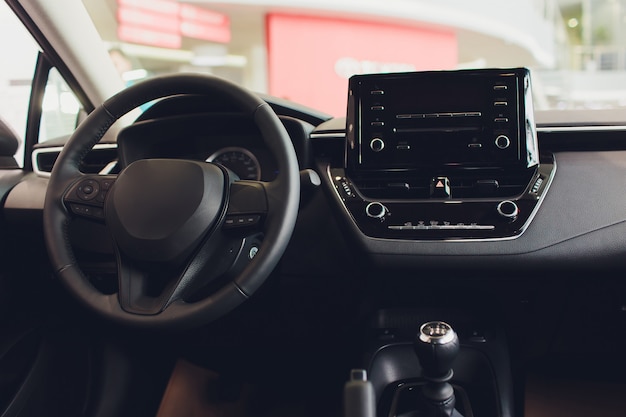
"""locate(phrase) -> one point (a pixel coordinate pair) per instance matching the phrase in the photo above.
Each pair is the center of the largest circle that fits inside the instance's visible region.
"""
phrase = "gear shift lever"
(436, 346)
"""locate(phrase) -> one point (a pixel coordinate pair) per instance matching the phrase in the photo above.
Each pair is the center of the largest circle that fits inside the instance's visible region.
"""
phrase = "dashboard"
(565, 212)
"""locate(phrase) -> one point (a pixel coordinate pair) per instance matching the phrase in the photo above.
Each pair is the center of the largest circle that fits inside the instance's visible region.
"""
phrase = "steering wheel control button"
(88, 190)
(508, 209)
(107, 183)
(241, 221)
(87, 211)
(440, 187)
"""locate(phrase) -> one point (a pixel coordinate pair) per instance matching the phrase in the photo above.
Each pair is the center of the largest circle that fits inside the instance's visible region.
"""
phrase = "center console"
(438, 169)
(442, 155)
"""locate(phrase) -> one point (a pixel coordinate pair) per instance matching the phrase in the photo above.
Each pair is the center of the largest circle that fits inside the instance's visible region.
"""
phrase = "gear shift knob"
(436, 346)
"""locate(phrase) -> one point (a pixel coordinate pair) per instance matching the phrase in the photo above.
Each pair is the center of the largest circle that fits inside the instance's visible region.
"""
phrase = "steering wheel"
(191, 242)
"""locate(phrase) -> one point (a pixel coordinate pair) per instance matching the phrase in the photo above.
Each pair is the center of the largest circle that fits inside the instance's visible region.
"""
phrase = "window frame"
(47, 59)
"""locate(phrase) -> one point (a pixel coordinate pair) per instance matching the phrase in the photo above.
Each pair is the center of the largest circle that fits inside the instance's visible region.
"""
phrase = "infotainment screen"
(469, 118)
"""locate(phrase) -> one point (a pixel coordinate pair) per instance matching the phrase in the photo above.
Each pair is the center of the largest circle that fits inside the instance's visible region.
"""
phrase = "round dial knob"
(508, 209)
(375, 210)
(503, 141)
(377, 144)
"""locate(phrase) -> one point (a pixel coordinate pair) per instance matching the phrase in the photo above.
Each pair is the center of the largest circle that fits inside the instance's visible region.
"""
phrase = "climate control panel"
(441, 217)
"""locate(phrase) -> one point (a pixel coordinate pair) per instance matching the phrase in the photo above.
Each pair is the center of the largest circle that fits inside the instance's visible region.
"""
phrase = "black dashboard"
(566, 212)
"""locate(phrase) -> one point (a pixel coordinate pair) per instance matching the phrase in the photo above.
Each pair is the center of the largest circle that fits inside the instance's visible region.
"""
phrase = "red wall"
(311, 58)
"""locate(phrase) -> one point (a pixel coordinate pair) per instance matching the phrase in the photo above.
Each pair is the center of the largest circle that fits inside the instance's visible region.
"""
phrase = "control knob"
(503, 141)
(508, 209)
(375, 210)
(377, 144)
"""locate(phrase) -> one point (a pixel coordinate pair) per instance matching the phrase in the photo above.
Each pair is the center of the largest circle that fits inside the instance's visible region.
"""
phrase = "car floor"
(557, 397)
(194, 391)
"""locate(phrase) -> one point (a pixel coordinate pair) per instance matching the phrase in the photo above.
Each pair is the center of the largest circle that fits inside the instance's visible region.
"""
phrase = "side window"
(16, 74)
(60, 109)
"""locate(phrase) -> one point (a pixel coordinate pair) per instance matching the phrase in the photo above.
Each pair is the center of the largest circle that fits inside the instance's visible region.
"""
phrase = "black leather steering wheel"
(180, 228)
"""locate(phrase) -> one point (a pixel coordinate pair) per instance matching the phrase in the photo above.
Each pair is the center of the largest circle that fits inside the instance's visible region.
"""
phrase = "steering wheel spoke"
(143, 288)
(86, 197)
(247, 207)
(148, 288)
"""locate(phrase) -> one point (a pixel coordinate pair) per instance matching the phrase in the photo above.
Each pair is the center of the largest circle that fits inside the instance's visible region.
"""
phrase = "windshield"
(305, 51)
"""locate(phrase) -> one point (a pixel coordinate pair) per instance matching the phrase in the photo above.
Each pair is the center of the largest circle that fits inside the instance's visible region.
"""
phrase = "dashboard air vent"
(463, 185)
(102, 159)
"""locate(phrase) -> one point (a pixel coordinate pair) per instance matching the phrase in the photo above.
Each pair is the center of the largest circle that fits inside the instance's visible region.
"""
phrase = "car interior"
(443, 249)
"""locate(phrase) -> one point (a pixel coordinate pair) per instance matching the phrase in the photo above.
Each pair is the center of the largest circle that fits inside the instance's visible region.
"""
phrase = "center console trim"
(522, 229)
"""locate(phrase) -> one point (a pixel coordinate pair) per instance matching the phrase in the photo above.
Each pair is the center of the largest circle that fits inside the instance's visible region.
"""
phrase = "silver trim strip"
(330, 135)
(544, 129)
(438, 115)
(109, 167)
(442, 227)
(581, 128)
(57, 149)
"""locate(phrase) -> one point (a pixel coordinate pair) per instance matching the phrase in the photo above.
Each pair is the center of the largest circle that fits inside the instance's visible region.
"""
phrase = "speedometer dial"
(239, 160)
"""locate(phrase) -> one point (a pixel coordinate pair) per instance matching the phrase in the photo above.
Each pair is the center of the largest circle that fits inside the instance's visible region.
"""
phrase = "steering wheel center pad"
(159, 209)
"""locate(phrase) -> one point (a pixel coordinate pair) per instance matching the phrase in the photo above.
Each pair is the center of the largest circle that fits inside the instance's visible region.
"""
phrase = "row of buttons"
(434, 225)
(438, 115)
(87, 211)
(241, 220)
(501, 102)
(377, 108)
(91, 189)
(501, 116)
(86, 199)
(98, 213)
